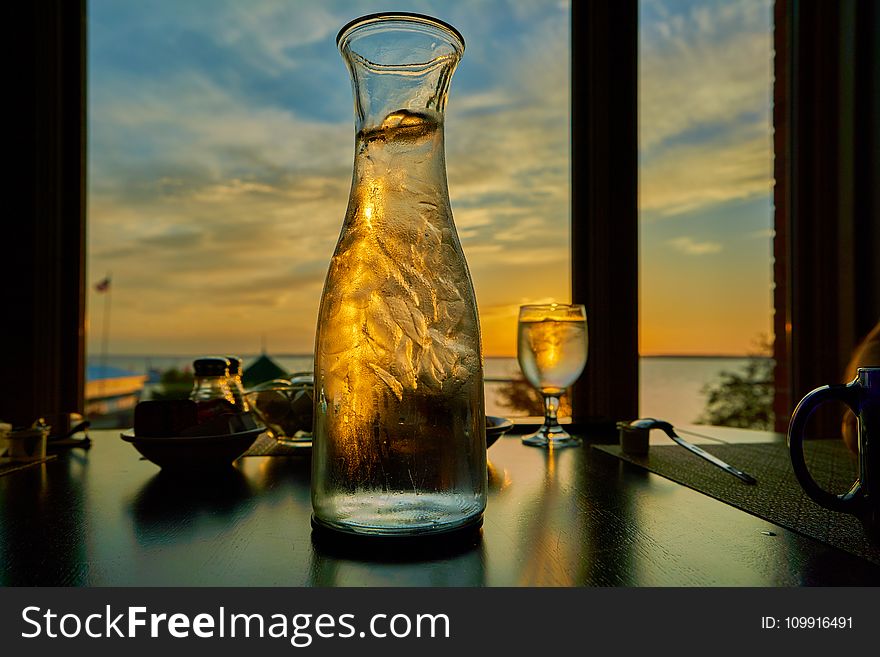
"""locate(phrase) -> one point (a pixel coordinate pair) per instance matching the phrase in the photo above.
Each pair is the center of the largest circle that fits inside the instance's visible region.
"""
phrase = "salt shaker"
(211, 391)
(235, 385)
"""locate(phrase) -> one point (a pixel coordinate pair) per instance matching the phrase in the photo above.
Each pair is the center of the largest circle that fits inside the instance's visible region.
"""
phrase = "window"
(220, 163)
(706, 211)
(821, 171)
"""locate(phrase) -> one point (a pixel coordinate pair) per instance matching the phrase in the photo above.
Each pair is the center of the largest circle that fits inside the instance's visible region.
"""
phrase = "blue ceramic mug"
(862, 396)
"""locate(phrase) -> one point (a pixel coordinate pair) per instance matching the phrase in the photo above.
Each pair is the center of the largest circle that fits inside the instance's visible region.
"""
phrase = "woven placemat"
(777, 496)
(266, 445)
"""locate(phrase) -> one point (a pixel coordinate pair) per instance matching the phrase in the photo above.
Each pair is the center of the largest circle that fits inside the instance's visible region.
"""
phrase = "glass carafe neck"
(400, 64)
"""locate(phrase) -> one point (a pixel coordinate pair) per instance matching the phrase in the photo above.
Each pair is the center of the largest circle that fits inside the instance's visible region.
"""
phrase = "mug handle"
(848, 394)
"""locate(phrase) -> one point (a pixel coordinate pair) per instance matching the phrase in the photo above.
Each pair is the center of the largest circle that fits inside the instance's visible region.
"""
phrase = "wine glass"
(552, 353)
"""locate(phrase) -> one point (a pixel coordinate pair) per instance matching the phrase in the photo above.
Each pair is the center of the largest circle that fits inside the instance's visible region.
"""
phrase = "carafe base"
(464, 526)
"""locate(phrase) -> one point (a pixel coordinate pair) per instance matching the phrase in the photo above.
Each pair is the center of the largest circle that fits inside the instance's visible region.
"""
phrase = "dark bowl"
(194, 452)
(495, 428)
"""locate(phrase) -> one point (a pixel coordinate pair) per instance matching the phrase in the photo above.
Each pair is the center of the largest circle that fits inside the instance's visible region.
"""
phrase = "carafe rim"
(401, 17)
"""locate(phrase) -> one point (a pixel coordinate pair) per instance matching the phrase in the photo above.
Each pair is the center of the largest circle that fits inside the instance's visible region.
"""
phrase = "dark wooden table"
(576, 517)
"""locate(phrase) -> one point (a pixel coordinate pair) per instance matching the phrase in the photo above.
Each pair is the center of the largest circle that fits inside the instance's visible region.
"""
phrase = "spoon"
(651, 423)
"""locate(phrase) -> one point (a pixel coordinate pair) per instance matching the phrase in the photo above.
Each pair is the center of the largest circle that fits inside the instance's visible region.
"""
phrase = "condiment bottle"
(211, 391)
(235, 385)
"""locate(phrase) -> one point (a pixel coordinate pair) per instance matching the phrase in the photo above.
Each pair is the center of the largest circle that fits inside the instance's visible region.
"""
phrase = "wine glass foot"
(552, 437)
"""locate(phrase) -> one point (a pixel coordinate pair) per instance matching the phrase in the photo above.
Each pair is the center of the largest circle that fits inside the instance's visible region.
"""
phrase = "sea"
(670, 387)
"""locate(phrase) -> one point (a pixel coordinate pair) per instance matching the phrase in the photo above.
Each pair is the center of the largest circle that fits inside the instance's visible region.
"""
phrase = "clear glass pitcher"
(399, 441)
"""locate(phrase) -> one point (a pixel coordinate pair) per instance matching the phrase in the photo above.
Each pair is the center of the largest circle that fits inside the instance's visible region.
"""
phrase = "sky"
(705, 176)
(221, 138)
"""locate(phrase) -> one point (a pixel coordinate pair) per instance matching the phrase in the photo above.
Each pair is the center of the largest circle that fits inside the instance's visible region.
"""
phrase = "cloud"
(186, 127)
(690, 246)
(269, 31)
(523, 229)
(217, 193)
(706, 66)
(705, 98)
(683, 178)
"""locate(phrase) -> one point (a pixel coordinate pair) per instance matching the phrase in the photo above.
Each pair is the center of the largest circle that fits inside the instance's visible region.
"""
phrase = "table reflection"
(550, 535)
(26, 499)
(173, 505)
(439, 561)
(570, 517)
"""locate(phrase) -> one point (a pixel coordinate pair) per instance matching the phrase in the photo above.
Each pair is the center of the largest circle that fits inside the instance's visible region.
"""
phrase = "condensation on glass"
(399, 441)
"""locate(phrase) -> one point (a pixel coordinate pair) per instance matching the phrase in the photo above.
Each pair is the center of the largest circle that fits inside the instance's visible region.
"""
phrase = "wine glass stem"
(551, 406)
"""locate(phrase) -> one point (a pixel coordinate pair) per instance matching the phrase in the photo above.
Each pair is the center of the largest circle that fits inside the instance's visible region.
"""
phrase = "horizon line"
(496, 356)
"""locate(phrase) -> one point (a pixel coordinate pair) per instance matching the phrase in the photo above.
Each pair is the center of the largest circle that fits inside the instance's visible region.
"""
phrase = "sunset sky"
(705, 142)
(221, 141)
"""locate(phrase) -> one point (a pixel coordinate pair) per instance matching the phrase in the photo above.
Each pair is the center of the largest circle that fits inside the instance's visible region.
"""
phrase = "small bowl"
(194, 452)
(495, 428)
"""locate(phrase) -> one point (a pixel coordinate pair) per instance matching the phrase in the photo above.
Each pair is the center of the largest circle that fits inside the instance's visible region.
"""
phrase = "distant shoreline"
(292, 355)
(705, 356)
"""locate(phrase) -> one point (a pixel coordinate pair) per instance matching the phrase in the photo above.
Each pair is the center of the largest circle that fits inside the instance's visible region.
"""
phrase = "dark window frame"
(604, 208)
(43, 264)
(826, 196)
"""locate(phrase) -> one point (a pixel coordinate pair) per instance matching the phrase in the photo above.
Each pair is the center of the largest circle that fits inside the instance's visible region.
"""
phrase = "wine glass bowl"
(552, 352)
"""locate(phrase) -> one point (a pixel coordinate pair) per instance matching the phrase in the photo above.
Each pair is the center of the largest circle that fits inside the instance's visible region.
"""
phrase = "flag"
(103, 285)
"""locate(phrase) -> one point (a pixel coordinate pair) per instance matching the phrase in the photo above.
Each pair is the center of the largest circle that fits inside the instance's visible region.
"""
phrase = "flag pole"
(105, 333)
